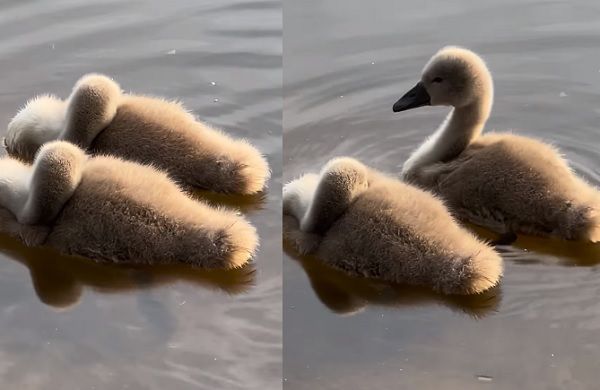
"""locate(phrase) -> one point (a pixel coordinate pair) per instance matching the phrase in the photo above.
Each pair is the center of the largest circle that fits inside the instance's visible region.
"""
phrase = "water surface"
(345, 64)
(72, 324)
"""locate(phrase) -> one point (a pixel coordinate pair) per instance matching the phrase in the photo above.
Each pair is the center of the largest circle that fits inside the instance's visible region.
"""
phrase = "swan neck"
(461, 127)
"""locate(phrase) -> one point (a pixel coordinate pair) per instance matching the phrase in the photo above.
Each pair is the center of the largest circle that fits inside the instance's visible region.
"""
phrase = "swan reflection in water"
(243, 203)
(539, 250)
(347, 295)
(59, 280)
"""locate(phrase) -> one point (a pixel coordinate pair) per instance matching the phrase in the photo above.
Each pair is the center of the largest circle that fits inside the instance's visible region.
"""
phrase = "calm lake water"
(73, 324)
(346, 62)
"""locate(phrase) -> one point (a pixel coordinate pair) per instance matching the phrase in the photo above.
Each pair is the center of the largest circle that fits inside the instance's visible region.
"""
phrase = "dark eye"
(437, 80)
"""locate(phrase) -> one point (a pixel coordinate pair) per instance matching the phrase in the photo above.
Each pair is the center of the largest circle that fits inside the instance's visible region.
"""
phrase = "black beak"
(416, 97)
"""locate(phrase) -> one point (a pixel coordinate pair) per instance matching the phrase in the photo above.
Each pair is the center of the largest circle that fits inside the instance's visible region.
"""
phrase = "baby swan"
(507, 183)
(101, 119)
(117, 211)
(362, 222)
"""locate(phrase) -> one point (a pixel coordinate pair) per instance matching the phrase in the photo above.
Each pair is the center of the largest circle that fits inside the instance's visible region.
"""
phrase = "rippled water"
(345, 64)
(72, 324)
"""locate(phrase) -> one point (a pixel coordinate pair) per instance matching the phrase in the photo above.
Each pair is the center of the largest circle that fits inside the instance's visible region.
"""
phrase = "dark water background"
(72, 324)
(345, 63)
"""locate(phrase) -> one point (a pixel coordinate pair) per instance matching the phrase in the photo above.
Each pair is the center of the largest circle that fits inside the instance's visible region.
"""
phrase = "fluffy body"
(112, 210)
(504, 182)
(370, 225)
(101, 119)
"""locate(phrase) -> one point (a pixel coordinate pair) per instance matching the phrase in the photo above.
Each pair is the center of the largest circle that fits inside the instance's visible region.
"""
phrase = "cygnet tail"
(485, 271)
(238, 243)
(251, 168)
(230, 165)
(468, 274)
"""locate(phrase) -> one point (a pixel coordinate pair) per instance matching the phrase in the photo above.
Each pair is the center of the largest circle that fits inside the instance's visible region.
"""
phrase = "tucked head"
(41, 120)
(454, 77)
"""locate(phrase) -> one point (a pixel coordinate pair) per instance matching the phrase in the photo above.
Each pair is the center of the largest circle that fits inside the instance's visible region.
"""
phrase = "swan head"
(455, 77)
(39, 121)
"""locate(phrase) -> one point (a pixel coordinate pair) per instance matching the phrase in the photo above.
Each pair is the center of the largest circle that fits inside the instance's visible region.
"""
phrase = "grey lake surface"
(345, 64)
(73, 324)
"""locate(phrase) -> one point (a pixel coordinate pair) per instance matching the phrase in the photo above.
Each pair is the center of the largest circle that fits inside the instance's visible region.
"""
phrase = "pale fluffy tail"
(470, 275)
(253, 170)
(240, 243)
(486, 271)
(240, 167)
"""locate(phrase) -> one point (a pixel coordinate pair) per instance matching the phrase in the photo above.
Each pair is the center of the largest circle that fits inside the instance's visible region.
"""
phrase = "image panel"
(146, 138)
(358, 82)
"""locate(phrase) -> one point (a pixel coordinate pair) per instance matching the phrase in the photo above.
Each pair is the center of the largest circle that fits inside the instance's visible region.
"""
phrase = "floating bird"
(505, 182)
(367, 224)
(100, 119)
(112, 210)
